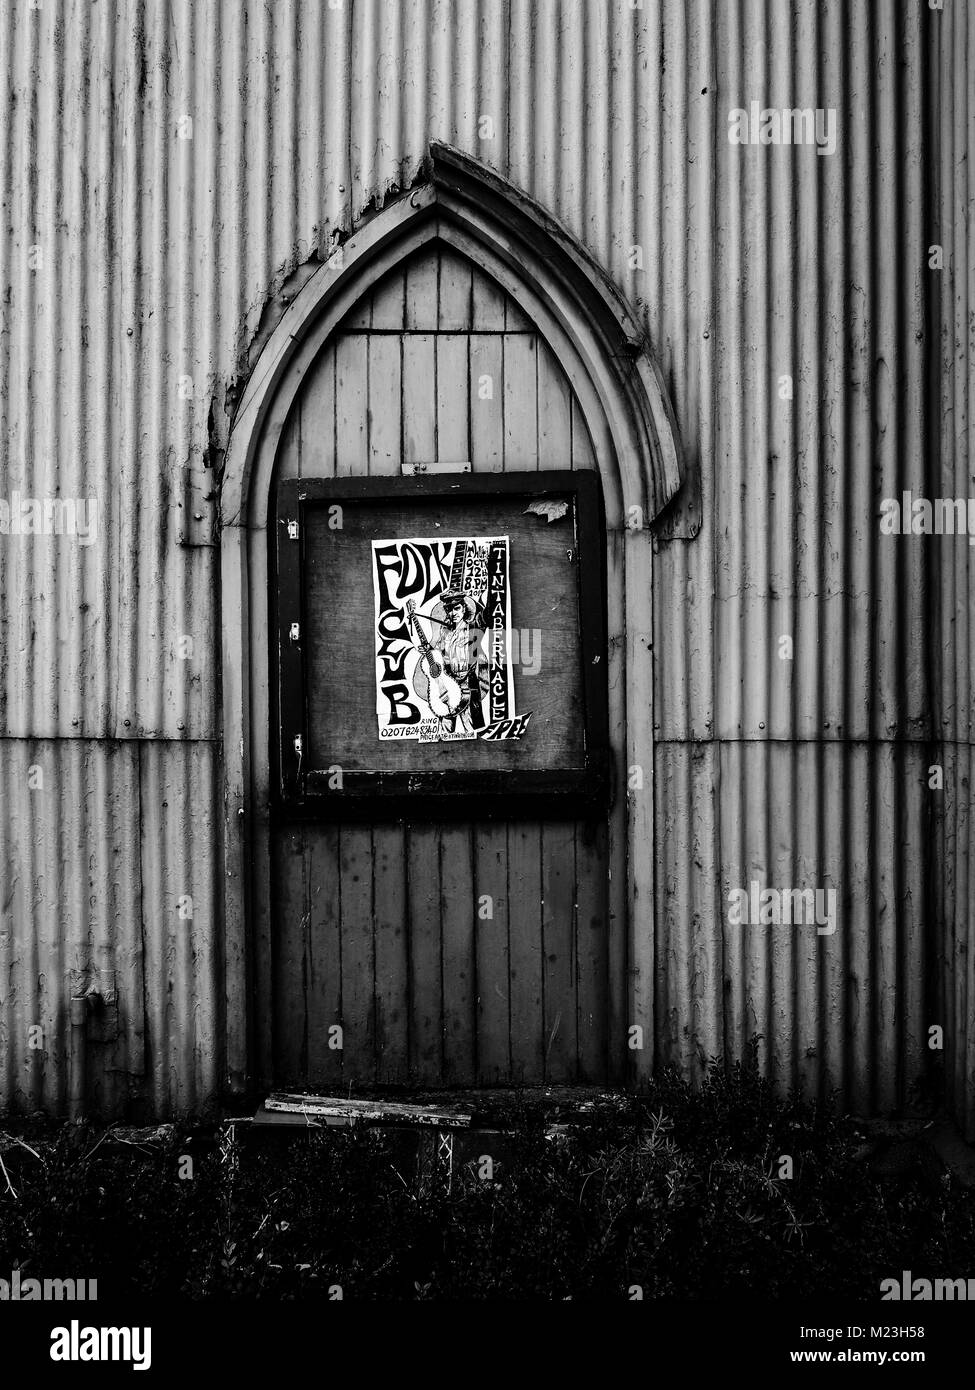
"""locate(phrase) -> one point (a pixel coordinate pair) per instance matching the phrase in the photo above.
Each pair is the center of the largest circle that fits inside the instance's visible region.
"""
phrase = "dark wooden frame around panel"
(376, 794)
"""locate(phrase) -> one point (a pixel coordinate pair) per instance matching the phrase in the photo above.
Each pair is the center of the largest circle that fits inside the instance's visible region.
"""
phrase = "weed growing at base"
(725, 1190)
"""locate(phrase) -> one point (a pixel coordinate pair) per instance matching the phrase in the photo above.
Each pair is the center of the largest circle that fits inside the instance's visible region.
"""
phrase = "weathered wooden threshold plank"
(280, 1119)
(365, 1110)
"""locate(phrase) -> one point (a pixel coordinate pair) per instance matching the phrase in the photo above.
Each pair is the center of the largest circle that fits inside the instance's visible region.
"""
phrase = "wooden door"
(448, 954)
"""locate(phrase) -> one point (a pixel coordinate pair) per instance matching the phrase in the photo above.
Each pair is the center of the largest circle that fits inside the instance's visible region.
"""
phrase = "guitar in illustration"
(431, 680)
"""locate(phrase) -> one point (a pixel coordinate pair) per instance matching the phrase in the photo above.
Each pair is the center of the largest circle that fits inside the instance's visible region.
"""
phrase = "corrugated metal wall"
(802, 765)
(957, 628)
(167, 167)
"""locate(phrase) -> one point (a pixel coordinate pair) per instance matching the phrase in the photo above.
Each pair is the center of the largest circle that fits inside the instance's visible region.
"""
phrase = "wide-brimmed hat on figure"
(454, 597)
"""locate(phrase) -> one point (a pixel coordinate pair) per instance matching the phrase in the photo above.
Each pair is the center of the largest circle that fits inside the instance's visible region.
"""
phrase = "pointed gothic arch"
(605, 357)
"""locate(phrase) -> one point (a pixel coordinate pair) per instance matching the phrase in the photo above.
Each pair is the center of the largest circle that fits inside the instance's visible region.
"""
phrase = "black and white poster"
(443, 662)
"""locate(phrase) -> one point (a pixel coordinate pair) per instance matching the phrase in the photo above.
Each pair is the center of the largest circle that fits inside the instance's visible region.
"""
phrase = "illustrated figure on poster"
(451, 676)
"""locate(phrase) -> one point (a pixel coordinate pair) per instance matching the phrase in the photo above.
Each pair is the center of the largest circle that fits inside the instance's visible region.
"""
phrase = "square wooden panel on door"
(441, 643)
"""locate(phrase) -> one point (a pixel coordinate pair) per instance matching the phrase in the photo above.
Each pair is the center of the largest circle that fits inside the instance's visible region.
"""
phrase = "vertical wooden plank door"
(461, 953)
